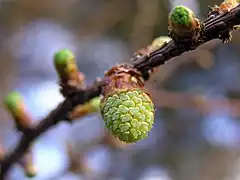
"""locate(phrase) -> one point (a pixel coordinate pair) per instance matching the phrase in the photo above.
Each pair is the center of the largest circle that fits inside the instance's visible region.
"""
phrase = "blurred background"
(196, 135)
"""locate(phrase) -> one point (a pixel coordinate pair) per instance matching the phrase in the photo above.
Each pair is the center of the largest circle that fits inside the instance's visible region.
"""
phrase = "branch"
(204, 105)
(215, 26)
(57, 115)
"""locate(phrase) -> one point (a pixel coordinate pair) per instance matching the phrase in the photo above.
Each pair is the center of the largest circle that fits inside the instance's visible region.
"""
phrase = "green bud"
(95, 104)
(183, 23)
(129, 115)
(13, 102)
(31, 171)
(63, 61)
(181, 15)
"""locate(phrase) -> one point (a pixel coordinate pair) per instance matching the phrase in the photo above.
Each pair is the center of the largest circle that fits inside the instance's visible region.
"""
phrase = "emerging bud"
(64, 62)
(27, 163)
(126, 107)
(2, 152)
(15, 104)
(157, 43)
(66, 66)
(89, 107)
(94, 104)
(183, 23)
(30, 171)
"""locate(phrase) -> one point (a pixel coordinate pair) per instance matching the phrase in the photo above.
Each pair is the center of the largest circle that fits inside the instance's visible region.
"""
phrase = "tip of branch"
(63, 60)
(90, 107)
(70, 76)
(181, 15)
(2, 152)
(13, 102)
(63, 57)
(28, 165)
(30, 171)
(95, 104)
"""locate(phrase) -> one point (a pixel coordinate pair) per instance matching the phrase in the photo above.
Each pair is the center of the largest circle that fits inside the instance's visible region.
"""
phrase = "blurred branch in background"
(93, 24)
(78, 162)
(206, 105)
(145, 19)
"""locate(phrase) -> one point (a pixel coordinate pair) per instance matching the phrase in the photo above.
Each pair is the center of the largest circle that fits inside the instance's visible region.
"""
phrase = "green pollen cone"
(181, 15)
(129, 115)
(63, 60)
(13, 102)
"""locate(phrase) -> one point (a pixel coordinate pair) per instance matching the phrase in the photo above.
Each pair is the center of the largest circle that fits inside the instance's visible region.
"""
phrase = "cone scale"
(126, 107)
